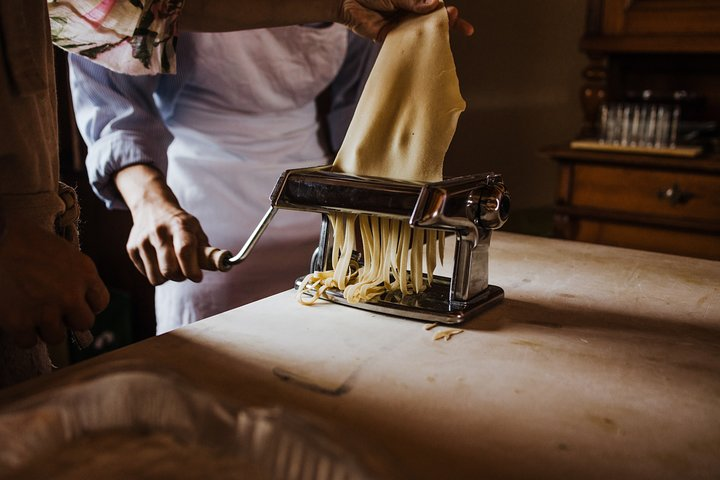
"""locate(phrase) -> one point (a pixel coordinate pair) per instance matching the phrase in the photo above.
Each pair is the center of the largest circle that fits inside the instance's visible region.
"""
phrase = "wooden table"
(600, 363)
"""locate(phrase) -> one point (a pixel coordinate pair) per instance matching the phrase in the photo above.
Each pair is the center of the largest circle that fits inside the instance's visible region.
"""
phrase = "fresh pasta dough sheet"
(401, 130)
(408, 111)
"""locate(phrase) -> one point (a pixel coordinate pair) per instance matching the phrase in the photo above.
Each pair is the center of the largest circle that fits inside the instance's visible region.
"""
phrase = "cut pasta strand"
(388, 245)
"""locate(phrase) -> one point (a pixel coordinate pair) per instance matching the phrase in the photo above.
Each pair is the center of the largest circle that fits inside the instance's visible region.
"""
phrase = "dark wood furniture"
(646, 201)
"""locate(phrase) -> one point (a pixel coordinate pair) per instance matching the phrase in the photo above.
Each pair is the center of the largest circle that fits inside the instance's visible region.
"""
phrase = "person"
(196, 155)
(45, 285)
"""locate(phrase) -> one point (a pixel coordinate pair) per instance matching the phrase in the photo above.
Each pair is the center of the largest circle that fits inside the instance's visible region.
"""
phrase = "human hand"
(165, 242)
(46, 286)
(458, 23)
(375, 18)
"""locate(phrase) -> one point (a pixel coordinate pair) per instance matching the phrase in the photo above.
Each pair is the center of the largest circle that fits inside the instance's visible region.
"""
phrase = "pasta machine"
(470, 206)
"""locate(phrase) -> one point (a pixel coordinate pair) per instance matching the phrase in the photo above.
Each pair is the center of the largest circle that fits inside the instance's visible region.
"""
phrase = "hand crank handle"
(215, 259)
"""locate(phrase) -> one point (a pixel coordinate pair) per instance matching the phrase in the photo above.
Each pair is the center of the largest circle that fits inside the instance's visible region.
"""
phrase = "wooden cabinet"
(639, 201)
(646, 201)
(653, 25)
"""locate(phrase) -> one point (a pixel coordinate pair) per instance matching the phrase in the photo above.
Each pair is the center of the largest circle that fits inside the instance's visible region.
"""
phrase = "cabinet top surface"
(709, 164)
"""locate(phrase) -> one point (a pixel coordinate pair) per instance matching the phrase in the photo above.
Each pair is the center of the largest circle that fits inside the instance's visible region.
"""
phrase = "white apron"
(245, 114)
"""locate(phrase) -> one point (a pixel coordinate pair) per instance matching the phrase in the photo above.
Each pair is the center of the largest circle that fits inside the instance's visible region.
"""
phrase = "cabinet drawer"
(661, 17)
(676, 242)
(646, 192)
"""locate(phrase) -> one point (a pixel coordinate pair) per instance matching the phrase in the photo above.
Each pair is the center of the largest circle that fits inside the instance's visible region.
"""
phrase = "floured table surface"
(600, 363)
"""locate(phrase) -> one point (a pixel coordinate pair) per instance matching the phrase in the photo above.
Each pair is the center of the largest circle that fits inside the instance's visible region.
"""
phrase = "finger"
(383, 32)
(367, 23)
(78, 317)
(464, 27)
(202, 238)
(51, 328)
(167, 261)
(152, 271)
(136, 259)
(82, 338)
(186, 249)
(459, 24)
(417, 6)
(97, 296)
(453, 13)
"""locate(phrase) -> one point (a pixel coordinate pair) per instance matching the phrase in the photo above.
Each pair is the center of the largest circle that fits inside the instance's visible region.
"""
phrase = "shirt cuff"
(114, 152)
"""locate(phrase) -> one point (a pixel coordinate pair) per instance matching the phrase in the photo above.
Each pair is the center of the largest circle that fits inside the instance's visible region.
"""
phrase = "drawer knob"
(674, 195)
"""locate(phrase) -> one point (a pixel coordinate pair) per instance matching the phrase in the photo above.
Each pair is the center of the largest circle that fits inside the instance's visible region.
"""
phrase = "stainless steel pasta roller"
(470, 207)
